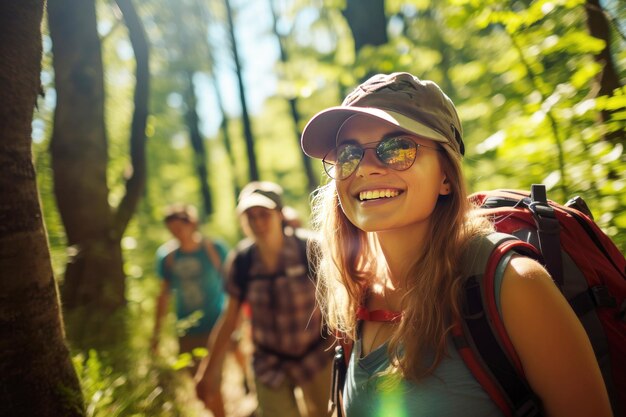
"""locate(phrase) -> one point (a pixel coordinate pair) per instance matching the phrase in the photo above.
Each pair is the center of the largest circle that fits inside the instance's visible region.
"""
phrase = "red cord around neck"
(384, 316)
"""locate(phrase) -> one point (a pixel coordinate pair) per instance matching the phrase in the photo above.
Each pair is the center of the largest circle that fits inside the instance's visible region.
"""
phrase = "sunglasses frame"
(329, 165)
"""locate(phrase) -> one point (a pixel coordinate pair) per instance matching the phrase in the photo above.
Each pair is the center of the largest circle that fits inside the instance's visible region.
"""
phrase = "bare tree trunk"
(197, 142)
(367, 21)
(607, 80)
(227, 141)
(226, 136)
(190, 31)
(136, 182)
(93, 291)
(293, 107)
(253, 171)
(36, 373)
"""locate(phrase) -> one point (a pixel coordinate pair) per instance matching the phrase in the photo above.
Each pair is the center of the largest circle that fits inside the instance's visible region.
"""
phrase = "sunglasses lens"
(397, 152)
(341, 162)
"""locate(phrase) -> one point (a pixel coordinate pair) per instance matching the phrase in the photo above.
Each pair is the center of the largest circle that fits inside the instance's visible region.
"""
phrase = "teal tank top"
(450, 391)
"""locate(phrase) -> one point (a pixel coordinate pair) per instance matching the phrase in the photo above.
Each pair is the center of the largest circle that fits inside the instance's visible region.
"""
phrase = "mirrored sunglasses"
(396, 152)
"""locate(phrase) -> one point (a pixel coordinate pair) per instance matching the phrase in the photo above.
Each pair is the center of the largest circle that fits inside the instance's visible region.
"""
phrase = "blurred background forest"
(160, 101)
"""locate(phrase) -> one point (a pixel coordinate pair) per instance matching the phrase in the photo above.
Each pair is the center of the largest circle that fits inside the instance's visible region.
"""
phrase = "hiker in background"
(292, 217)
(269, 271)
(190, 266)
(396, 233)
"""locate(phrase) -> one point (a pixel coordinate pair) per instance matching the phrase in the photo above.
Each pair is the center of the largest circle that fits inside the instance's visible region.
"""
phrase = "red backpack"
(585, 264)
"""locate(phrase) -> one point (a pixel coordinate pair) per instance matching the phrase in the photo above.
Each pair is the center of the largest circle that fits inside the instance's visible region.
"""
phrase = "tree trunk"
(253, 171)
(607, 80)
(227, 141)
(136, 182)
(93, 289)
(189, 34)
(367, 21)
(197, 143)
(293, 106)
(226, 136)
(36, 373)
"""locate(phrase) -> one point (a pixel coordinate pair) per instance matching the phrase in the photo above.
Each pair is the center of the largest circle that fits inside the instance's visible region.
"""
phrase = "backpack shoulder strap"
(243, 260)
(341, 359)
(212, 253)
(168, 260)
(479, 251)
(242, 264)
(481, 338)
(548, 231)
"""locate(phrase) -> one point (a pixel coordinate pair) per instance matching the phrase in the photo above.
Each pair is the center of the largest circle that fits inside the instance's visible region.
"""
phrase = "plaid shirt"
(286, 323)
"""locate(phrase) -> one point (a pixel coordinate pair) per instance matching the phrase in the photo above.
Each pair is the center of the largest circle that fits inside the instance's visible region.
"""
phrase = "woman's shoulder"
(166, 248)
(243, 246)
(552, 345)
(239, 255)
(526, 282)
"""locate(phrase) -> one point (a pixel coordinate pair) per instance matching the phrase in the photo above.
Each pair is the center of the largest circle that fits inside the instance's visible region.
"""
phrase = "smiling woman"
(397, 234)
(417, 181)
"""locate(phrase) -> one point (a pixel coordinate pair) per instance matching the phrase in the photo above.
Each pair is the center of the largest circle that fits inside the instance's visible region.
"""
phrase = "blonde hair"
(348, 264)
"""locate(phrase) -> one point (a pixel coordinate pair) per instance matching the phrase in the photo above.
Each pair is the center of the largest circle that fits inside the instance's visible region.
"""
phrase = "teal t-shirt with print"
(196, 283)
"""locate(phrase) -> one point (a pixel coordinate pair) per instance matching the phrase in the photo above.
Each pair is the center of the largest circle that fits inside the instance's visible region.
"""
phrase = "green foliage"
(147, 389)
(522, 74)
(149, 386)
(553, 137)
(521, 77)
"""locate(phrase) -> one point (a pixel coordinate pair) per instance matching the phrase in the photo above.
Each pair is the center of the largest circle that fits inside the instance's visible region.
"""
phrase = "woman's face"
(263, 222)
(412, 193)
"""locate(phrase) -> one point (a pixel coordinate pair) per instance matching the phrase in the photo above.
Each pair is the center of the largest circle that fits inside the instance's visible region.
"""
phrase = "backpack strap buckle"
(602, 297)
(337, 382)
(542, 209)
(548, 231)
(528, 409)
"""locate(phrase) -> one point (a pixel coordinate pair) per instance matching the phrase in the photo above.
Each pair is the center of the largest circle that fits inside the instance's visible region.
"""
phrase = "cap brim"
(320, 134)
(255, 200)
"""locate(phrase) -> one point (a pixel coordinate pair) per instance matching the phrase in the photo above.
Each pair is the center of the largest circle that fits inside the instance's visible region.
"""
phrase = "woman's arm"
(553, 347)
(209, 371)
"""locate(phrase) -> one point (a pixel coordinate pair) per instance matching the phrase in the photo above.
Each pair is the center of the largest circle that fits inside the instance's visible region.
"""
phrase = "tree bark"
(93, 289)
(227, 141)
(136, 182)
(36, 373)
(253, 171)
(367, 21)
(608, 79)
(293, 106)
(191, 35)
(226, 136)
(197, 143)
